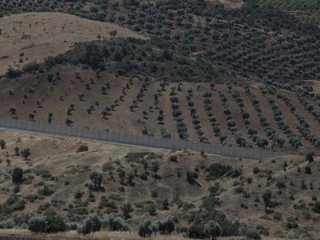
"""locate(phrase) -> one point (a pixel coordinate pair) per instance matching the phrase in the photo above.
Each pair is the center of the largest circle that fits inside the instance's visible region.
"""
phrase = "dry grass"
(19, 234)
(316, 85)
(39, 35)
(233, 4)
(73, 235)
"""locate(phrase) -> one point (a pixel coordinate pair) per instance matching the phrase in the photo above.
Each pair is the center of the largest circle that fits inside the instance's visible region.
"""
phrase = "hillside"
(246, 115)
(57, 176)
(252, 42)
(29, 37)
(222, 72)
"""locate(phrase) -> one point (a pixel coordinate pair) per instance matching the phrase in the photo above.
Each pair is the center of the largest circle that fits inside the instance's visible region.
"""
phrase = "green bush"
(167, 226)
(2, 144)
(145, 229)
(316, 207)
(25, 153)
(17, 175)
(83, 148)
(126, 210)
(277, 216)
(212, 229)
(38, 224)
(31, 67)
(118, 224)
(45, 191)
(196, 230)
(217, 170)
(13, 203)
(309, 156)
(291, 223)
(91, 224)
(13, 73)
(96, 179)
(191, 177)
(55, 224)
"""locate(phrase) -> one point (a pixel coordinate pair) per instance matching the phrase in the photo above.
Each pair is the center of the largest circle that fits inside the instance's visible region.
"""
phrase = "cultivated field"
(252, 115)
(29, 37)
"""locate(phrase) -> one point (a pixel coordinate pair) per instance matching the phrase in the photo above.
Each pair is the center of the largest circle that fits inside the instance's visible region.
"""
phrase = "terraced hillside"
(246, 115)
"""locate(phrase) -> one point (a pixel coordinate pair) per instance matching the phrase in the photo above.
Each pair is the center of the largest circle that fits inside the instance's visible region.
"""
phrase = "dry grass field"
(18, 234)
(31, 37)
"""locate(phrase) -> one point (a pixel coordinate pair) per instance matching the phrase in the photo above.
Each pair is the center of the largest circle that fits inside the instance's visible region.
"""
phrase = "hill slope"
(252, 42)
(32, 37)
(57, 177)
(246, 114)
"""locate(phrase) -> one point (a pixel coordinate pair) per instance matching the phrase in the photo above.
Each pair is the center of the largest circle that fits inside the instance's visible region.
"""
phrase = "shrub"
(25, 153)
(17, 175)
(45, 191)
(167, 226)
(152, 209)
(31, 67)
(13, 73)
(217, 170)
(78, 194)
(307, 169)
(12, 204)
(2, 144)
(107, 167)
(250, 233)
(83, 148)
(277, 216)
(7, 224)
(256, 170)
(37, 224)
(316, 207)
(212, 229)
(165, 204)
(55, 224)
(291, 223)
(145, 229)
(126, 210)
(196, 230)
(267, 195)
(155, 167)
(191, 177)
(96, 179)
(91, 224)
(309, 156)
(118, 224)
(173, 158)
